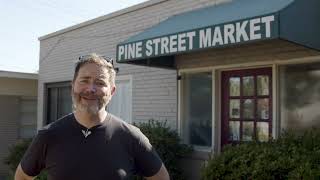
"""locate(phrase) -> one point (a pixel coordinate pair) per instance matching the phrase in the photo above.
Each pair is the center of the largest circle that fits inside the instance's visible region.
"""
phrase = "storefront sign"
(258, 28)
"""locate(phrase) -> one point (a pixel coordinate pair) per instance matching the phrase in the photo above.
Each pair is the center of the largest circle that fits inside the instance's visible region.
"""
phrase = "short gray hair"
(101, 61)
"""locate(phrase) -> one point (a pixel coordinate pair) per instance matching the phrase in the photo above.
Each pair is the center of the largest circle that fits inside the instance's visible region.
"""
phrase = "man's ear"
(113, 90)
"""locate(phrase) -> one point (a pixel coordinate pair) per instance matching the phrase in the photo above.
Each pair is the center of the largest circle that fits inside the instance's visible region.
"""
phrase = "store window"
(196, 102)
(300, 96)
(59, 101)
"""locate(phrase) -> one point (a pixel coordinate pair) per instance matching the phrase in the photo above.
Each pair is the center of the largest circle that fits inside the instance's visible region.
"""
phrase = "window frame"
(47, 86)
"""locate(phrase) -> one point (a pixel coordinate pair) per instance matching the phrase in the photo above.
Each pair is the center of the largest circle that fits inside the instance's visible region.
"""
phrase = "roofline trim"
(102, 18)
(18, 75)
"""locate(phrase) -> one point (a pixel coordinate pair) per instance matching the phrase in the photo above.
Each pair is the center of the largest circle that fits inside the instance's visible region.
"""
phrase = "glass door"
(246, 105)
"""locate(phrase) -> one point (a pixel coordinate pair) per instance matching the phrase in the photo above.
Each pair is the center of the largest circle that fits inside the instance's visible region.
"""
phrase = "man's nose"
(92, 88)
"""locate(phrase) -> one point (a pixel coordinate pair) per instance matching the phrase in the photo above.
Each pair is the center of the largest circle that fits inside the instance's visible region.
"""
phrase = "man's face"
(91, 90)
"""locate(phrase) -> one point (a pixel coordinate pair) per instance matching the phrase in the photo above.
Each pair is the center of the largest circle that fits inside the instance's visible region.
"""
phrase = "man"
(90, 143)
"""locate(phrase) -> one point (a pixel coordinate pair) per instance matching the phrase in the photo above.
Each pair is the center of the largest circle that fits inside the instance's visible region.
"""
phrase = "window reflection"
(59, 102)
(234, 130)
(263, 108)
(197, 108)
(263, 131)
(234, 84)
(263, 85)
(247, 133)
(248, 86)
(300, 96)
(248, 109)
(234, 109)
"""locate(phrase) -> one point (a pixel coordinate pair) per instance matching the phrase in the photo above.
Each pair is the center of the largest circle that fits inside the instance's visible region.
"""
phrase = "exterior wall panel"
(12, 86)
(9, 110)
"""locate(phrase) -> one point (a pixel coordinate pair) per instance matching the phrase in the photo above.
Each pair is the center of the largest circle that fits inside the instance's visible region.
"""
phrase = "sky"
(22, 22)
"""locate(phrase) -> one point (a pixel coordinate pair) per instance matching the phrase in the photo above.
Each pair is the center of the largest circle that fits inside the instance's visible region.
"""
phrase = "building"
(18, 109)
(219, 71)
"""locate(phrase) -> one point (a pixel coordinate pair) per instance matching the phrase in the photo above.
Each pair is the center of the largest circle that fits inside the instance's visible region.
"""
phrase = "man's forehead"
(89, 76)
(90, 70)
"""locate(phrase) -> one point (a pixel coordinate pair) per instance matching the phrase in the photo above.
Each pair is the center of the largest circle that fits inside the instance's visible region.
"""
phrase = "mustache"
(88, 95)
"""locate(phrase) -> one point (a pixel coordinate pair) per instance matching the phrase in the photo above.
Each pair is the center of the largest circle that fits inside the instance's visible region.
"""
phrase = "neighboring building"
(219, 71)
(18, 110)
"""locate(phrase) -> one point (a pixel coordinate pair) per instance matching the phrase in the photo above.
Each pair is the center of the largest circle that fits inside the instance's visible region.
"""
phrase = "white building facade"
(218, 71)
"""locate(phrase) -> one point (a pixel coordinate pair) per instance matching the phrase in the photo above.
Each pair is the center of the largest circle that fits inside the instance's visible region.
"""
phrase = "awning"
(228, 24)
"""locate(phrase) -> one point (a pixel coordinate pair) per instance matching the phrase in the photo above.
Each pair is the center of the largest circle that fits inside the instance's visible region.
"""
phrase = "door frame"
(224, 87)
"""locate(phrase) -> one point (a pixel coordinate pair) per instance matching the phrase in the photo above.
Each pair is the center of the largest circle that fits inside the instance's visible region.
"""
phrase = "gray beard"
(93, 110)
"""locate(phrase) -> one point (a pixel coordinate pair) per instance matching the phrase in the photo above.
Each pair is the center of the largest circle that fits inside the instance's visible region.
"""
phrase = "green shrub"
(289, 157)
(15, 154)
(167, 144)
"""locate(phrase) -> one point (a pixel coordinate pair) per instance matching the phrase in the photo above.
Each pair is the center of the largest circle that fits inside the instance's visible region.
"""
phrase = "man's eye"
(83, 81)
(101, 83)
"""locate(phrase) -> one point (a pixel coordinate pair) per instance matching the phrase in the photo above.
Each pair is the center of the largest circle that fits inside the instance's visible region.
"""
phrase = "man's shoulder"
(122, 126)
(57, 125)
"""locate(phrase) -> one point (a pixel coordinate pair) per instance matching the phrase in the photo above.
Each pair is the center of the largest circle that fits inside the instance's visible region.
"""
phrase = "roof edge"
(102, 18)
(19, 75)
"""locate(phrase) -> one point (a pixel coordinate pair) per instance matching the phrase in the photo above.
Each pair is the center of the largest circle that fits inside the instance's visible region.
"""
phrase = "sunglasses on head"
(106, 58)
